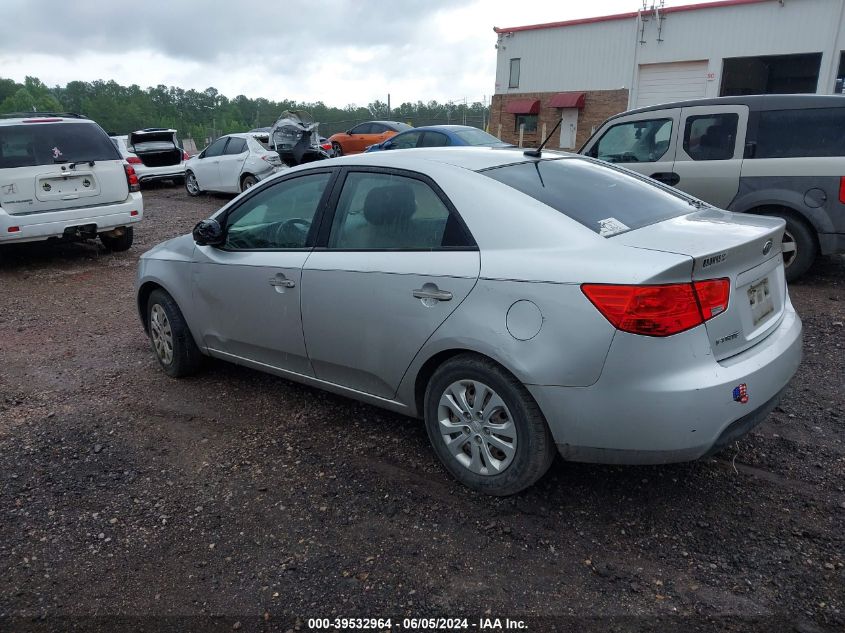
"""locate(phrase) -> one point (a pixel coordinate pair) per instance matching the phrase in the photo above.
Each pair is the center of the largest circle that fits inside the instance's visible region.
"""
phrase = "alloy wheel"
(789, 248)
(192, 185)
(161, 334)
(477, 427)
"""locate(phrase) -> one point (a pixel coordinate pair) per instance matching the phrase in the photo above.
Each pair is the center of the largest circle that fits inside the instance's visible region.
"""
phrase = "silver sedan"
(523, 306)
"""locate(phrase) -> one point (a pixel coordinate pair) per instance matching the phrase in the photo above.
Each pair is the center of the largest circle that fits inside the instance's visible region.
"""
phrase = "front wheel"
(485, 427)
(120, 242)
(171, 340)
(191, 184)
(337, 149)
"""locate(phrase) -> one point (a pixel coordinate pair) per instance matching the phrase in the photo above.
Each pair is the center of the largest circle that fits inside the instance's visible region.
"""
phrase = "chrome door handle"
(437, 295)
(282, 282)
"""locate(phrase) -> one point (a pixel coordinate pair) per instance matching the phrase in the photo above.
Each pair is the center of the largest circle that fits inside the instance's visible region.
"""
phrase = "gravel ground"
(238, 500)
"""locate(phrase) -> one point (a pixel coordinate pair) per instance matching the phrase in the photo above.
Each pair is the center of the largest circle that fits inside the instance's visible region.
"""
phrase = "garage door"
(662, 83)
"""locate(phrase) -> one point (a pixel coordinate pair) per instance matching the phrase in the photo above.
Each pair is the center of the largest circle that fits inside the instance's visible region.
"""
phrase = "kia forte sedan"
(521, 305)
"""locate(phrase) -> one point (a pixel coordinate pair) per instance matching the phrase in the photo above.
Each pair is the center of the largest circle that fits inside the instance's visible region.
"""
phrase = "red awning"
(523, 106)
(567, 100)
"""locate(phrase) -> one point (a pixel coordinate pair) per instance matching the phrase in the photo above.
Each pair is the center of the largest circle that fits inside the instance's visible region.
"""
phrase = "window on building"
(644, 141)
(513, 81)
(770, 74)
(711, 136)
(797, 133)
(529, 120)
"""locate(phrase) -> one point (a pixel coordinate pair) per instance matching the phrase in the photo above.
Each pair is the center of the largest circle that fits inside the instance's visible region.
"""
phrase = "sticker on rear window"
(57, 152)
(611, 226)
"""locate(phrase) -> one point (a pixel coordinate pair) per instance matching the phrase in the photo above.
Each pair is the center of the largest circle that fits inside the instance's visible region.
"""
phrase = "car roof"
(36, 116)
(446, 128)
(755, 103)
(466, 157)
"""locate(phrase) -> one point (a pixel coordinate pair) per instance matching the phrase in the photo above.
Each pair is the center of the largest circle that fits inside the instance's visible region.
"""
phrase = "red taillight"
(132, 178)
(186, 156)
(659, 310)
(326, 146)
(133, 160)
(14, 229)
(842, 190)
(133, 213)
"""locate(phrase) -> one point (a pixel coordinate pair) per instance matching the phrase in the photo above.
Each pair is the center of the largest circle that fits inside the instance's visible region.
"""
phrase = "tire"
(519, 422)
(191, 185)
(248, 181)
(802, 238)
(337, 149)
(171, 340)
(121, 243)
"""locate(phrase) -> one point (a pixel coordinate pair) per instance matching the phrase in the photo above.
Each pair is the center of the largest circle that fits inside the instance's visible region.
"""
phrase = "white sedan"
(231, 164)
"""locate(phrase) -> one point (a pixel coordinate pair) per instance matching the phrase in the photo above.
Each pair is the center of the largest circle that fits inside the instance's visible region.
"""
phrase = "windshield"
(478, 137)
(32, 144)
(605, 199)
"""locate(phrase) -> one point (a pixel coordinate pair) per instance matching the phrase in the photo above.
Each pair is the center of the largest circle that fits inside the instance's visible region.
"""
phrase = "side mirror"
(209, 233)
(201, 154)
(348, 132)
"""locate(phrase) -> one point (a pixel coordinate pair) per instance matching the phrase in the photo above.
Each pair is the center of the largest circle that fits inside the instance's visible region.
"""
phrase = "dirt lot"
(245, 501)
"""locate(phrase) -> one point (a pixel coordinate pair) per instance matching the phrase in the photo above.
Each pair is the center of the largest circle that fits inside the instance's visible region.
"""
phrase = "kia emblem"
(767, 247)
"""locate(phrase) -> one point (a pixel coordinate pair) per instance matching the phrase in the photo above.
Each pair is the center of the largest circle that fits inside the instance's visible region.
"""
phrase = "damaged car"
(231, 164)
(154, 153)
(295, 137)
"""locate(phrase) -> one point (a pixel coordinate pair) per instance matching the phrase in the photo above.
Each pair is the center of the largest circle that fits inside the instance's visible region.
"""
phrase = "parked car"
(61, 177)
(363, 135)
(776, 155)
(154, 153)
(517, 304)
(295, 137)
(231, 164)
(439, 136)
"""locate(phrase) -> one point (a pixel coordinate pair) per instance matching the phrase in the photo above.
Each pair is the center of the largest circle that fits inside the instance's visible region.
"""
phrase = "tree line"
(206, 114)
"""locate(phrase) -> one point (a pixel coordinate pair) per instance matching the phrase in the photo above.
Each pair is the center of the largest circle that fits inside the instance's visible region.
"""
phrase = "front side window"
(236, 146)
(216, 148)
(644, 141)
(603, 198)
(278, 217)
(513, 80)
(801, 133)
(711, 136)
(32, 144)
(528, 120)
(405, 140)
(378, 211)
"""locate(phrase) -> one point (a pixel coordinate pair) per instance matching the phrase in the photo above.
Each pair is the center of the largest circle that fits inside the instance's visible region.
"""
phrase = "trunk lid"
(57, 165)
(156, 147)
(746, 249)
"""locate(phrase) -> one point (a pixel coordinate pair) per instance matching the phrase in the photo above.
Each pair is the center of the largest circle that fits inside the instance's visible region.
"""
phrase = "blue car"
(439, 136)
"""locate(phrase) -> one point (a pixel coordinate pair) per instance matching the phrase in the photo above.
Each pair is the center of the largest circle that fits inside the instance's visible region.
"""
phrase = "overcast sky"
(335, 51)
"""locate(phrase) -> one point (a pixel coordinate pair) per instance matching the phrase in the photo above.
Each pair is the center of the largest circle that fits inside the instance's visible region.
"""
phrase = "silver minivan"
(778, 155)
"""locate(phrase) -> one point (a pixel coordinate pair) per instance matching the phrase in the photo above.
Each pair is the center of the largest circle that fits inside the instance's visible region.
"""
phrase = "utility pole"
(388, 105)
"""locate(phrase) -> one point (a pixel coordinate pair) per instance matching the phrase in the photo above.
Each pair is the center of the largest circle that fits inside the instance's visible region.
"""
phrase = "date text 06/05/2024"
(415, 624)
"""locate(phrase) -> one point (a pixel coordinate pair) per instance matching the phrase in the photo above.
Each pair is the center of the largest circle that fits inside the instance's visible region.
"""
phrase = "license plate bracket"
(760, 300)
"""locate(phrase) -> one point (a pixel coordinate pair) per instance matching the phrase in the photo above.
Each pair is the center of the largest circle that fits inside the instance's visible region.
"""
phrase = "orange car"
(363, 135)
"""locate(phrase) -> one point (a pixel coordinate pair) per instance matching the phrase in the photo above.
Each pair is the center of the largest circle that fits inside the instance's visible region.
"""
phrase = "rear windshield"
(603, 198)
(31, 144)
(478, 137)
(797, 133)
(401, 127)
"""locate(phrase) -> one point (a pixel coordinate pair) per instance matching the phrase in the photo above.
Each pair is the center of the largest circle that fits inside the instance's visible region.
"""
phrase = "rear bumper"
(47, 224)
(169, 172)
(668, 400)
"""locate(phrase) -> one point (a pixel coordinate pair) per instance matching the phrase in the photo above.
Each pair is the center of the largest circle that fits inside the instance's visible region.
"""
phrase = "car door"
(231, 164)
(207, 166)
(247, 292)
(644, 142)
(359, 138)
(393, 264)
(709, 157)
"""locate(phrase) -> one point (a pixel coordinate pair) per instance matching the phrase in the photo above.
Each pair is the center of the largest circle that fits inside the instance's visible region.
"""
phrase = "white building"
(586, 70)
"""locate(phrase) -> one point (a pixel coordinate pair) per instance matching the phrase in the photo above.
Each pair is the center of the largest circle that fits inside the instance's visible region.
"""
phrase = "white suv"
(61, 177)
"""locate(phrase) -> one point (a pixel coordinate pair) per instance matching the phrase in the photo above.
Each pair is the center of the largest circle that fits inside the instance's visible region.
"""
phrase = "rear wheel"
(121, 242)
(191, 184)
(248, 181)
(485, 427)
(799, 246)
(171, 340)
(337, 149)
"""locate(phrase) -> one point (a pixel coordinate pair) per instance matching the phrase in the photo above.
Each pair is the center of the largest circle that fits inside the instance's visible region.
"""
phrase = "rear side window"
(800, 133)
(32, 144)
(602, 198)
(711, 136)
(236, 146)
